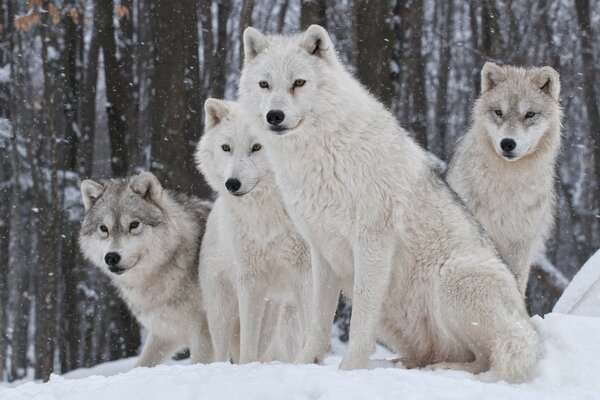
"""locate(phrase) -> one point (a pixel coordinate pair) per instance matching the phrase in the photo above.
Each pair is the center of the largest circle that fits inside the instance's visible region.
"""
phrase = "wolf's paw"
(310, 356)
(350, 362)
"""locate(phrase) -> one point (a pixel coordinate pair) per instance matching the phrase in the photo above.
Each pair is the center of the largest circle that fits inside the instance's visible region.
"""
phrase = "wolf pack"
(321, 192)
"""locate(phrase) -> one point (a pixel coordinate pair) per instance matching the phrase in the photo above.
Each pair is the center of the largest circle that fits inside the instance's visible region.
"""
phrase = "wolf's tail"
(515, 354)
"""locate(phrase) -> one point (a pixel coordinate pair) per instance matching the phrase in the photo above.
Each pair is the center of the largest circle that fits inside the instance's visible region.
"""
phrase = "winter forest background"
(105, 88)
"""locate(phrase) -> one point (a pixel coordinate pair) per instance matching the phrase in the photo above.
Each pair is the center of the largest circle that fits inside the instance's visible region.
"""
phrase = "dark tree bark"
(245, 21)
(87, 106)
(219, 69)
(116, 91)
(313, 12)
(46, 276)
(282, 14)
(441, 109)
(374, 49)
(176, 102)
(490, 30)
(589, 70)
(413, 60)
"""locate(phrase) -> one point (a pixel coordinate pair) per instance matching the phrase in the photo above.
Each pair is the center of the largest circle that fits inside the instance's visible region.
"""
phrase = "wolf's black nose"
(112, 258)
(233, 185)
(275, 117)
(508, 145)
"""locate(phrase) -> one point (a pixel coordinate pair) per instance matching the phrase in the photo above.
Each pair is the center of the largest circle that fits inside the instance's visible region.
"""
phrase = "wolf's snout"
(112, 258)
(508, 145)
(233, 185)
(275, 117)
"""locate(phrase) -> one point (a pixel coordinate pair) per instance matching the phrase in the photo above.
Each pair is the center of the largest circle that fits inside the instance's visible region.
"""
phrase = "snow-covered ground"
(582, 296)
(569, 369)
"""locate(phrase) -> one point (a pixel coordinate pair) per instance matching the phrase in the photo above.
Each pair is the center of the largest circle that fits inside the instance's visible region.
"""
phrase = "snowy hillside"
(568, 370)
(582, 296)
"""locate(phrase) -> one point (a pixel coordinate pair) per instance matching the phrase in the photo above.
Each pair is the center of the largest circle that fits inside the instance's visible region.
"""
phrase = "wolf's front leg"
(201, 349)
(372, 267)
(325, 295)
(156, 350)
(251, 293)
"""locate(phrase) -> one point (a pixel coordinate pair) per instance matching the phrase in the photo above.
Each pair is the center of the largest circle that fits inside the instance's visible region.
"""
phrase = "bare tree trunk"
(589, 70)
(490, 30)
(219, 70)
(282, 14)
(87, 104)
(441, 111)
(19, 300)
(6, 175)
(46, 289)
(245, 21)
(373, 49)
(208, 44)
(116, 91)
(176, 103)
(313, 12)
(412, 25)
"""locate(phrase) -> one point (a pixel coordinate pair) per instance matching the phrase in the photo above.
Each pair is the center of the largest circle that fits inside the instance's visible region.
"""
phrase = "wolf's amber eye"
(103, 228)
(498, 112)
(226, 147)
(134, 225)
(530, 114)
(299, 83)
(263, 84)
(256, 147)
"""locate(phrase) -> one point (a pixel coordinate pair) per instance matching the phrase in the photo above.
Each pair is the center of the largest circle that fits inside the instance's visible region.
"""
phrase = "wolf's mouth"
(280, 130)
(115, 269)
(118, 270)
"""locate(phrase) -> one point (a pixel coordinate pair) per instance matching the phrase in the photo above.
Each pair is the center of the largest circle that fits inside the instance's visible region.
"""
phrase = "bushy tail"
(515, 354)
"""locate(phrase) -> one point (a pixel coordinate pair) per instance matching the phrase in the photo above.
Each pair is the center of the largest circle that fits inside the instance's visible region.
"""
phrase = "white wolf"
(379, 222)
(504, 167)
(147, 240)
(252, 258)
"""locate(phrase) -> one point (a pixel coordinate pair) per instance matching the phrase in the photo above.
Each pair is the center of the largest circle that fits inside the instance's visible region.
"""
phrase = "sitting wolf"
(147, 240)
(504, 166)
(254, 266)
(380, 223)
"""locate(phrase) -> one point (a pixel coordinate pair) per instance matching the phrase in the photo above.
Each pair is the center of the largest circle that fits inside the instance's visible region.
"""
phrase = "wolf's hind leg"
(475, 367)
(156, 350)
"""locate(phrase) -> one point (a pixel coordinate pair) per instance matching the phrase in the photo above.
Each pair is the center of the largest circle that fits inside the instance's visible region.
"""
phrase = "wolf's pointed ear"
(548, 80)
(491, 75)
(90, 191)
(147, 185)
(214, 112)
(317, 42)
(254, 43)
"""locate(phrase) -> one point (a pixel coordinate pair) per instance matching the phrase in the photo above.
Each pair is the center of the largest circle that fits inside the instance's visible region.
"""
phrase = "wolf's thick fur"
(157, 235)
(379, 221)
(252, 258)
(512, 194)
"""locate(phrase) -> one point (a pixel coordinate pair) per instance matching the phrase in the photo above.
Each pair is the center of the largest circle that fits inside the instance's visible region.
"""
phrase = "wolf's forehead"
(120, 208)
(236, 132)
(279, 62)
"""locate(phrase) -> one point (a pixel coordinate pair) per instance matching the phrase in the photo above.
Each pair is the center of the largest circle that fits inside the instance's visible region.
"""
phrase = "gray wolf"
(379, 221)
(254, 266)
(147, 240)
(504, 166)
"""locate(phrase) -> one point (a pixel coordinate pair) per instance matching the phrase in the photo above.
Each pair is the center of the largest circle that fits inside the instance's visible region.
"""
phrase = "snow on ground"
(582, 296)
(568, 370)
